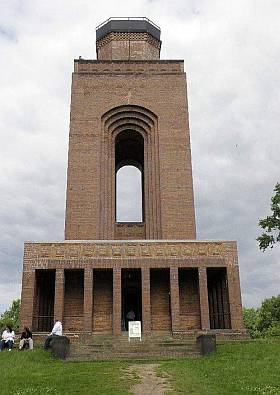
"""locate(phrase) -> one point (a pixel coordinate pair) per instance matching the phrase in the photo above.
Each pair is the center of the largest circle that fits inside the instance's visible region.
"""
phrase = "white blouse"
(6, 335)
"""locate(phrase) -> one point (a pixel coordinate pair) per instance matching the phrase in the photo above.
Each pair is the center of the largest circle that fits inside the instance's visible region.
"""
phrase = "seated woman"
(26, 339)
(7, 340)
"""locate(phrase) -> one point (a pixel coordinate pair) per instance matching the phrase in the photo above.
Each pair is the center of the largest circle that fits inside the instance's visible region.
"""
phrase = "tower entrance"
(131, 297)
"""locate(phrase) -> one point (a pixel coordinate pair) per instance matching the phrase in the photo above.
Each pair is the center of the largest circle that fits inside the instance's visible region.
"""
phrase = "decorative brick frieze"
(134, 249)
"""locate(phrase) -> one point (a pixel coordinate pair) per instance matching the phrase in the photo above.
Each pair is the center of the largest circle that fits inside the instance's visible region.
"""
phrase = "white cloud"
(232, 53)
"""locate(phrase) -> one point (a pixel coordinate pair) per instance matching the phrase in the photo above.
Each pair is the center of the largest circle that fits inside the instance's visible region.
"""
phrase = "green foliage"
(269, 313)
(271, 224)
(273, 330)
(11, 316)
(35, 372)
(251, 318)
(265, 321)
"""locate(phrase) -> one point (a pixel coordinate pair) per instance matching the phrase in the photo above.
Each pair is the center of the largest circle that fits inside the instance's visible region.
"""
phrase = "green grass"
(35, 372)
(237, 368)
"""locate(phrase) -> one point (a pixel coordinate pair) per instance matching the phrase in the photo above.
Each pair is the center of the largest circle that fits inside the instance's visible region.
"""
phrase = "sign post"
(134, 329)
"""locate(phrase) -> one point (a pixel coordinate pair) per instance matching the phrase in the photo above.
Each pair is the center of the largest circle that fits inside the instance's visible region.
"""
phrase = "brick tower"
(128, 107)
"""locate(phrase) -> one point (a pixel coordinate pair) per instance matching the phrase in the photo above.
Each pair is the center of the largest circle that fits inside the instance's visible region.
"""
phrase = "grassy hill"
(237, 368)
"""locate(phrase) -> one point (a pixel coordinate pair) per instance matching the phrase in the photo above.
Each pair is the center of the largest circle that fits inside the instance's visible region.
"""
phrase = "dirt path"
(150, 383)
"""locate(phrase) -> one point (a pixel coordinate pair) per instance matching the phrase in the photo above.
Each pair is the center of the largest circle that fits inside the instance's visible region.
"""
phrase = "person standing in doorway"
(130, 317)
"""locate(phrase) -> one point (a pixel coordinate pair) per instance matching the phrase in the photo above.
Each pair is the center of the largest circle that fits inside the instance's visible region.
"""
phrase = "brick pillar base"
(146, 300)
(117, 297)
(27, 298)
(59, 295)
(88, 299)
(174, 297)
(234, 294)
(203, 295)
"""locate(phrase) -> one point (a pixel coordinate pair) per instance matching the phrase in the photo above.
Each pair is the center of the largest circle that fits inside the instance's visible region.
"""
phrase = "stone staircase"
(108, 347)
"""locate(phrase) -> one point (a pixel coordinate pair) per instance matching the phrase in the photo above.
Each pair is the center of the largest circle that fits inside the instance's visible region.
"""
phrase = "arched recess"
(140, 125)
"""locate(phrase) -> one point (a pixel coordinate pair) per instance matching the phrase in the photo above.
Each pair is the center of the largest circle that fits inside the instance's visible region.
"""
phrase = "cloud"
(231, 53)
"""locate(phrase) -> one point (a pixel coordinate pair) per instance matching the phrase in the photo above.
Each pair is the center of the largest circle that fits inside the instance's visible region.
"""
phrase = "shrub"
(273, 330)
(251, 317)
(269, 313)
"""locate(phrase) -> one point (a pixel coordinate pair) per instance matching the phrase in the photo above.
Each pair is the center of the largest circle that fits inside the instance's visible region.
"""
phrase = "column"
(203, 295)
(117, 298)
(88, 299)
(146, 300)
(234, 295)
(27, 298)
(59, 295)
(174, 298)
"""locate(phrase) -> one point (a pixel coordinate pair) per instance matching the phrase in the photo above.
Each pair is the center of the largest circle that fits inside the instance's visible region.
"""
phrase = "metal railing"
(43, 323)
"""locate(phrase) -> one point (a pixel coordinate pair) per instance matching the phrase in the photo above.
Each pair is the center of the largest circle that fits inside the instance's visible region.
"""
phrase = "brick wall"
(189, 299)
(160, 300)
(73, 300)
(125, 46)
(160, 87)
(103, 300)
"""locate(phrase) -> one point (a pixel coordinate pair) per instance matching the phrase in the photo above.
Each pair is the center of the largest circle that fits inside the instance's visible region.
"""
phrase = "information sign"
(134, 329)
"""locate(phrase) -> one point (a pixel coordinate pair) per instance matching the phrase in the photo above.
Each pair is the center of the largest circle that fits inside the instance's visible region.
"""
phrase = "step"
(131, 356)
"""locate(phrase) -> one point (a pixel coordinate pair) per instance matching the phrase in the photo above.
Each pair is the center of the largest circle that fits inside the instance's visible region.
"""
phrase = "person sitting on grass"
(56, 331)
(8, 337)
(26, 339)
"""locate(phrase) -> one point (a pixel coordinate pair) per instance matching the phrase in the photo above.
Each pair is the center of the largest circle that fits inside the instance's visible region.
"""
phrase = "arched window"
(129, 194)
(129, 173)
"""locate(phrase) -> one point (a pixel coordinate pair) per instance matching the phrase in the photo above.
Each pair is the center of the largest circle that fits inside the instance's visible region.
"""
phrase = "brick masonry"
(175, 297)
(128, 88)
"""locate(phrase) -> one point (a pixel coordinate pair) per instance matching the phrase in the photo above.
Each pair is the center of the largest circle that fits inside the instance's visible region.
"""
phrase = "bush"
(265, 321)
(269, 313)
(273, 330)
(251, 317)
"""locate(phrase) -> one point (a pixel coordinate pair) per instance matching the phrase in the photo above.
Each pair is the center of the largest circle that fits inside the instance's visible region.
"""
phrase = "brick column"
(88, 299)
(146, 300)
(203, 295)
(174, 299)
(234, 295)
(27, 298)
(117, 299)
(59, 295)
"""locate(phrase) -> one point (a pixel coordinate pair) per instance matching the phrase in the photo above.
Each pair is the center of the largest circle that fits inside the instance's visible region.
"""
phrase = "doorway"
(131, 296)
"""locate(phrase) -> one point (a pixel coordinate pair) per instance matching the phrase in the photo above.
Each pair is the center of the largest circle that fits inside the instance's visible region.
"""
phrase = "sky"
(232, 53)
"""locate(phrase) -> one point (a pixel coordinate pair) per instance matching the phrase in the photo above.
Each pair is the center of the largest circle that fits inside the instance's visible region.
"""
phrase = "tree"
(269, 315)
(271, 224)
(11, 316)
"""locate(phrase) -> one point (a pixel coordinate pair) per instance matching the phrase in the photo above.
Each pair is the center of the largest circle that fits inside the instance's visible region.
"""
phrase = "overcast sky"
(232, 54)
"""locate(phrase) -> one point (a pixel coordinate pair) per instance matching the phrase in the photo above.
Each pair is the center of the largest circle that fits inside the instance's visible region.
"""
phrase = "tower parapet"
(128, 39)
